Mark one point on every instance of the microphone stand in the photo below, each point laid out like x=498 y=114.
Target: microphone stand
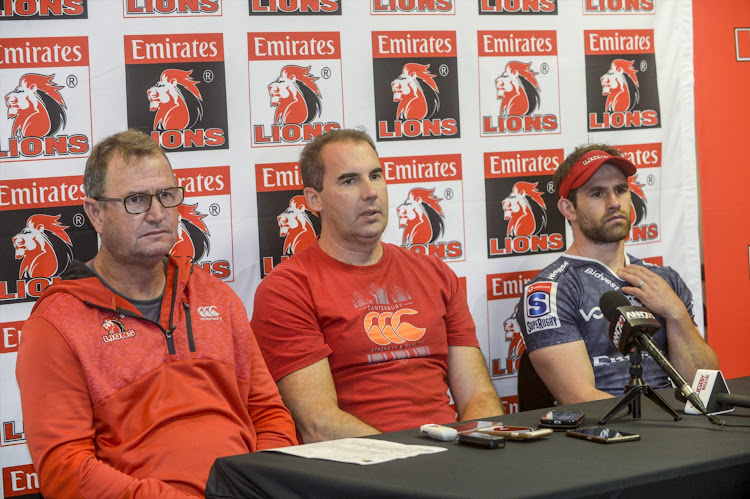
x=634 y=389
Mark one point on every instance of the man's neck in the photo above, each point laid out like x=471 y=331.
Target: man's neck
x=610 y=254
x=138 y=282
x=360 y=254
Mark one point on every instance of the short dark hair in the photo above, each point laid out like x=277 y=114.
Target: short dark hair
x=566 y=166
x=311 y=163
x=128 y=144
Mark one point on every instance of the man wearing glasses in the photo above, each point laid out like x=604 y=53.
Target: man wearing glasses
x=126 y=389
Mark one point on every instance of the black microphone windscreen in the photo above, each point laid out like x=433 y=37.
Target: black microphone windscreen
x=610 y=302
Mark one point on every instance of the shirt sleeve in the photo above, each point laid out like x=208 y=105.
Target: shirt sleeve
x=59 y=423
x=286 y=325
x=547 y=314
x=273 y=422
x=459 y=324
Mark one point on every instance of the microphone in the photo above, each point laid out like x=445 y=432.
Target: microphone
x=632 y=325
x=713 y=391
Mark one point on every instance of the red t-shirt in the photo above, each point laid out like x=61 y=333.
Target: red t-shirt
x=385 y=329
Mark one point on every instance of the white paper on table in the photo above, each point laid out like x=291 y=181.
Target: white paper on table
x=359 y=450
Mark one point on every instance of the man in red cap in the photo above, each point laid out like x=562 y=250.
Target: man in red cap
x=565 y=332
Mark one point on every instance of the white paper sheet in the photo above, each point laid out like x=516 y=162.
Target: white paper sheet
x=359 y=450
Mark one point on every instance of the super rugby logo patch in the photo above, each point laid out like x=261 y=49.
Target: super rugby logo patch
x=540 y=302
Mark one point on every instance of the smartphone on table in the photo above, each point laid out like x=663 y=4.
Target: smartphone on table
x=602 y=435
x=516 y=432
x=561 y=420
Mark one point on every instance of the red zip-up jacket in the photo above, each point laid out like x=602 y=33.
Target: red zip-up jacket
x=115 y=405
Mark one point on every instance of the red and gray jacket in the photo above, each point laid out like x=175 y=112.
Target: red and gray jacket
x=117 y=405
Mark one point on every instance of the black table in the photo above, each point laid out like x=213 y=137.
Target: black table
x=686 y=458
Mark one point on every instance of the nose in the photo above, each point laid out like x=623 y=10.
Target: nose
x=368 y=190
x=613 y=200
x=156 y=212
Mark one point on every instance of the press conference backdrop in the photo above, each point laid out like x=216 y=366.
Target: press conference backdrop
x=473 y=104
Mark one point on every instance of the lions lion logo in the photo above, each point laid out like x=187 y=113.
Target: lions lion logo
x=295 y=95
x=36 y=107
x=43 y=246
x=516 y=345
x=416 y=92
x=421 y=217
x=517 y=90
x=524 y=209
x=176 y=100
x=620 y=85
x=297 y=226
x=113 y=326
x=637 y=201
x=192 y=234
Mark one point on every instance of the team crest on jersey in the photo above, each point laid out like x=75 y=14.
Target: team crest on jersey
x=302 y=96
x=540 y=302
x=416 y=85
x=47 y=109
x=621 y=84
x=522 y=97
x=172 y=8
x=204 y=218
x=175 y=87
x=521 y=207
x=24 y=10
x=115 y=330
x=429 y=216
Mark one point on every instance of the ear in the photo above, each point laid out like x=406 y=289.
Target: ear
x=93 y=210
x=567 y=209
x=312 y=197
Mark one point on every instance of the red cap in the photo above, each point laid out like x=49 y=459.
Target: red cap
x=587 y=165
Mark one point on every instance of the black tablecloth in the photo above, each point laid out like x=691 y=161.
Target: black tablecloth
x=688 y=458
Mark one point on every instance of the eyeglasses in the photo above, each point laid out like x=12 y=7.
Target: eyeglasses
x=141 y=202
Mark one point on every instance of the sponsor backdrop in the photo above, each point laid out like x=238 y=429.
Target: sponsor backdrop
x=473 y=105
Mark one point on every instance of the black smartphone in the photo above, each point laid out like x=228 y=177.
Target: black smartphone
x=477 y=439
x=561 y=420
x=602 y=435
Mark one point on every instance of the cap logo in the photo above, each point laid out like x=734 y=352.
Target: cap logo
x=593 y=158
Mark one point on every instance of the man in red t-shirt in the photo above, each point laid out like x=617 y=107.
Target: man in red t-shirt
x=362 y=336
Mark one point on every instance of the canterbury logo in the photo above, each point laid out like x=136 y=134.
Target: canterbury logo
x=386 y=327
x=209 y=313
